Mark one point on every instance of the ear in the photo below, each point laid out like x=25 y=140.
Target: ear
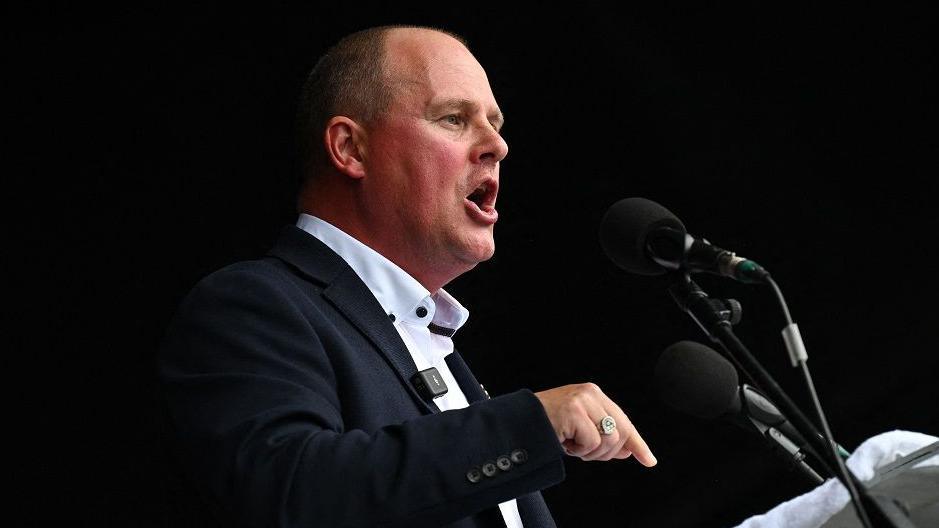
x=345 y=145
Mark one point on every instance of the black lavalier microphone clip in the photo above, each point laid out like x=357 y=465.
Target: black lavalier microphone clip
x=429 y=384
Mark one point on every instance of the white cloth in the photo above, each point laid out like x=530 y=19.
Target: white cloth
x=411 y=307
x=814 y=508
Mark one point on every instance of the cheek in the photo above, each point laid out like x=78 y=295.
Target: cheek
x=439 y=172
x=450 y=171
x=424 y=173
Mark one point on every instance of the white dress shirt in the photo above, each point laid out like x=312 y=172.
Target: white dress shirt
x=411 y=307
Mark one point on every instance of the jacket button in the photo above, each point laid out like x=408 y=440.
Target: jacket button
x=474 y=475
x=519 y=456
x=504 y=463
x=489 y=469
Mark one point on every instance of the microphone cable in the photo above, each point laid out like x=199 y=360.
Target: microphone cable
x=797 y=354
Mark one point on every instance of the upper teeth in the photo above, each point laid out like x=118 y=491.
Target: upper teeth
x=482 y=188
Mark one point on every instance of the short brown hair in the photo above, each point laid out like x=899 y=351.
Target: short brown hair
x=347 y=80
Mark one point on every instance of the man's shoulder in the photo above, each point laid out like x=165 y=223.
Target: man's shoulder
x=296 y=271
x=292 y=257
x=265 y=271
x=262 y=267
x=246 y=292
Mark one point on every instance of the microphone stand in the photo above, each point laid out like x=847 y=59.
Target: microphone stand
x=874 y=511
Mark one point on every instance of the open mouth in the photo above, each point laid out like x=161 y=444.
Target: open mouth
x=483 y=200
x=478 y=197
x=484 y=195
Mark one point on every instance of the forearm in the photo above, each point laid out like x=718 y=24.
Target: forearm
x=281 y=470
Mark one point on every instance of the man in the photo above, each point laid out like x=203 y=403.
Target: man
x=292 y=381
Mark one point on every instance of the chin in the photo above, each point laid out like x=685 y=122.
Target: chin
x=479 y=251
x=484 y=247
x=483 y=254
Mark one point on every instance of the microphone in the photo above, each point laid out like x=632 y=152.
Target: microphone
x=694 y=379
x=643 y=237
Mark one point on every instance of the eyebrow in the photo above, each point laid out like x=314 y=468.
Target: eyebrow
x=496 y=117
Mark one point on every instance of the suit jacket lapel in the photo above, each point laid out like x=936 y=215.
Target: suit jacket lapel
x=351 y=297
x=346 y=291
x=462 y=374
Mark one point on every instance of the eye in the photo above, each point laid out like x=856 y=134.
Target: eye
x=453 y=119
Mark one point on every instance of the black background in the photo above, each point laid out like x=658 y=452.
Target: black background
x=158 y=147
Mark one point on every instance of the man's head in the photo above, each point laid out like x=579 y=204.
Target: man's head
x=409 y=163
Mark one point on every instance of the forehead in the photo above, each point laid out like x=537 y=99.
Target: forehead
x=435 y=67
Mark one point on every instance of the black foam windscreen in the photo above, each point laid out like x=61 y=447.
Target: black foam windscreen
x=694 y=379
x=624 y=229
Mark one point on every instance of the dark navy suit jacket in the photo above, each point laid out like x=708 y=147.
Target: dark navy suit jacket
x=290 y=404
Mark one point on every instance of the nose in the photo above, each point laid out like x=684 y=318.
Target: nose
x=491 y=147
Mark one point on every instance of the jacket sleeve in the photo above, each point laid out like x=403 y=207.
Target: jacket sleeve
x=257 y=421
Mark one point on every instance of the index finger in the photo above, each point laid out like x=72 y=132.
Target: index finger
x=636 y=445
